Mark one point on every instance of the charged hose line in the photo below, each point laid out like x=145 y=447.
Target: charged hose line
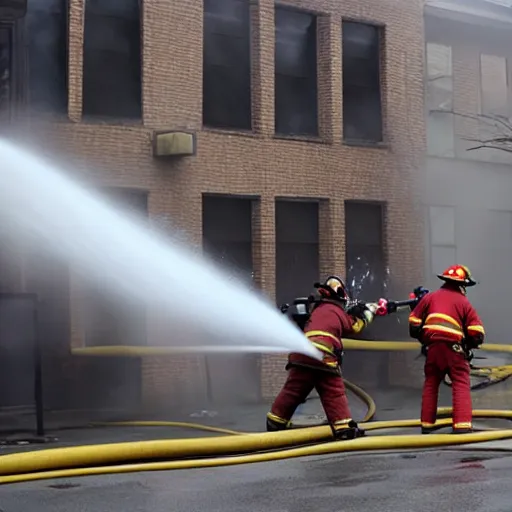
x=59 y=469
x=348 y=344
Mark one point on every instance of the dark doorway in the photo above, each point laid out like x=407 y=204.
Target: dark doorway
x=227 y=237
x=297 y=248
x=17 y=337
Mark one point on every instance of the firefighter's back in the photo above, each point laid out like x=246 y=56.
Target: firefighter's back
x=445 y=315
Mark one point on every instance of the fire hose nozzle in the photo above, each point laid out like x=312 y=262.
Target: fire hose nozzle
x=382 y=307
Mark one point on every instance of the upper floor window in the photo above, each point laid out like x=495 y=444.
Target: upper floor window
x=47 y=36
x=493 y=85
x=362 y=105
x=439 y=90
x=5 y=74
x=296 y=103
x=227 y=64
x=112 y=59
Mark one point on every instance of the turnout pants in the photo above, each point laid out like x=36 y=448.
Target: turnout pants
x=443 y=360
x=299 y=384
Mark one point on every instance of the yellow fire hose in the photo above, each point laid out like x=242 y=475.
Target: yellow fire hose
x=238 y=448
x=348 y=344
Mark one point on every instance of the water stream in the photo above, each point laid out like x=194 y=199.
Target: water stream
x=206 y=307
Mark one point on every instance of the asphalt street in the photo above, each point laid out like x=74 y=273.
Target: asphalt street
x=450 y=481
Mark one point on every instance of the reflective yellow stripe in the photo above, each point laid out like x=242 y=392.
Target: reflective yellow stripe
x=446 y=318
x=341 y=424
x=477 y=328
x=311 y=334
x=463 y=425
x=322 y=348
x=427 y=425
x=415 y=320
x=441 y=328
x=271 y=416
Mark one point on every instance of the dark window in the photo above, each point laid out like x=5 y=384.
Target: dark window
x=297 y=249
x=227 y=64
x=12 y=9
x=112 y=59
x=46 y=32
x=362 y=110
x=365 y=254
x=5 y=74
x=227 y=233
x=109 y=318
x=296 y=108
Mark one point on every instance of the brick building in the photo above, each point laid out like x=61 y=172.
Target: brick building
x=468 y=51
x=298 y=169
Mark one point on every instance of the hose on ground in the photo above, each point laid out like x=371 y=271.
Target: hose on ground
x=238 y=448
x=94 y=460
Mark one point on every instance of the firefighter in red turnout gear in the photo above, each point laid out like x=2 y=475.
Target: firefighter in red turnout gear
x=448 y=326
x=328 y=323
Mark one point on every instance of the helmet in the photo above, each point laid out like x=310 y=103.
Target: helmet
x=458 y=274
x=333 y=288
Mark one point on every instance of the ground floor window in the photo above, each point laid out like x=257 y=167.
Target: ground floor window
x=365 y=249
x=297 y=248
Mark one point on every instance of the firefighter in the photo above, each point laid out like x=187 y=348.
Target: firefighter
x=328 y=323
x=448 y=327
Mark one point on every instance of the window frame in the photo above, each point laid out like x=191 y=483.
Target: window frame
x=379 y=247
x=381 y=75
x=123 y=119
x=219 y=247
x=306 y=77
x=311 y=243
x=26 y=88
x=231 y=124
x=18 y=82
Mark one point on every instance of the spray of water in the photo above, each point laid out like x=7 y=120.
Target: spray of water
x=207 y=309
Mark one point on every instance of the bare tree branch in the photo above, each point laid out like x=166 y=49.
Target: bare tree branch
x=501 y=142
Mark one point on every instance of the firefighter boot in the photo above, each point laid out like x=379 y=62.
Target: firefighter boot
x=274 y=423
x=351 y=431
x=427 y=430
x=462 y=431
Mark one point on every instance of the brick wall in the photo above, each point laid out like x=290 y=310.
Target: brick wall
x=258 y=163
